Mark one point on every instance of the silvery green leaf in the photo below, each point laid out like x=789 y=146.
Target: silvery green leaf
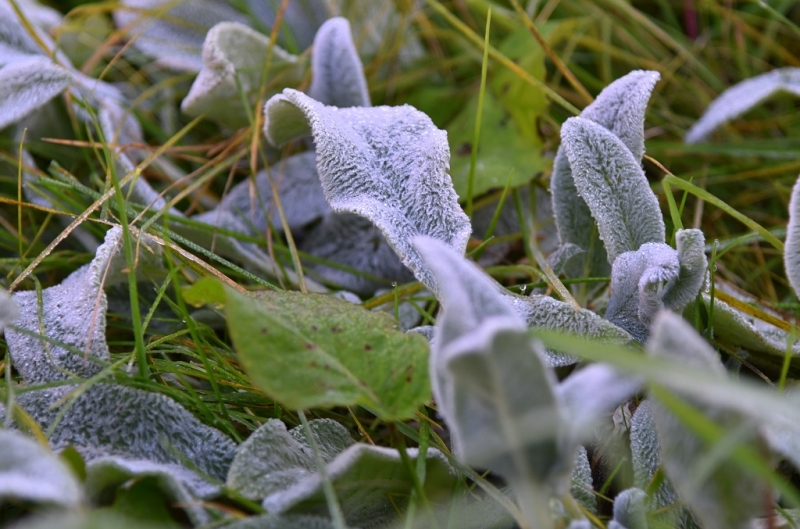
x=582 y=488
x=27 y=84
x=114 y=420
x=273 y=459
x=9 y=311
x=31 y=473
x=252 y=204
x=385 y=163
x=88 y=519
x=630 y=510
x=370 y=482
x=580 y=524
x=646 y=455
x=39 y=15
x=234 y=56
x=288 y=521
x=639 y=281
x=611 y=181
x=559 y=259
x=173 y=32
x=15 y=41
x=719 y=491
x=176 y=484
x=354 y=241
x=73 y=314
x=791 y=252
x=693 y=267
x=337 y=73
x=620 y=108
x=742 y=97
x=301 y=20
x=589 y=394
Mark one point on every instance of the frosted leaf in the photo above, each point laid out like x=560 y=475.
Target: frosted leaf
x=742 y=97
x=582 y=487
x=27 y=84
x=589 y=394
x=611 y=181
x=620 y=108
x=791 y=252
x=233 y=59
x=173 y=32
x=386 y=164
x=9 y=311
x=15 y=41
x=31 y=473
x=630 y=510
x=114 y=420
x=559 y=259
x=301 y=20
x=273 y=459
x=724 y=495
x=353 y=241
x=693 y=267
x=639 y=282
x=87 y=519
x=580 y=524
x=290 y=521
x=371 y=483
x=251 y=203
x=646 y=456
x=40 y=16
x=73 y=314
x=337 y=73
x=178 y=486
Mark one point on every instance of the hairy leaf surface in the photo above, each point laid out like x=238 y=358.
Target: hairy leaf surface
x=28 y=84
x=791 y=252
x=337 y=73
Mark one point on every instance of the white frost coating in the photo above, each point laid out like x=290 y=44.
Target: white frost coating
x=31 y=473
x=611 y=181
x=582 y=488
x=791 y=251
x=337 y=73
x=233 y=59
x=741 y=97
x=73 y=313
x=173 y=32
x=646 y=456
x=9 y=311
x=273 y=459
x=371 y=484
x=630 y=510
x=178 y=486
x=276 y=521
x=693 y=269
x=620 y=108
x=387 y=164
x=113 y=420
x=728 y=496
x=27 y=84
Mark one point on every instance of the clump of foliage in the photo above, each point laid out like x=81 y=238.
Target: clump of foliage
x=345 y=336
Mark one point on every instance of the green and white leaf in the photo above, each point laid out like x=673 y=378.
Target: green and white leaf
x=582 y=488
x=27 y=84
x=630 y=510
x=791 y=251
x=742 y=97
x=720 y=492
x=410 y=195
x=611 y=181
x=646 y=458
x=31 y=473
x=234 y=57
x=273 y=459
x=370 y=482
x=337 y=73
x=288 y=521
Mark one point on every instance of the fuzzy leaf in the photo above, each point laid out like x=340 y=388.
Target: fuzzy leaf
x=630 y=510
x=725 y=495
x=791 y=252
x=233 y=59
x=742 y=97
x=386 y=164
x=326 y=352
x=31 y=473
x=620 y=108
x=693 y=266
x=611 y=181
x=173 y=32
x=72 y=317
x=113 y=420
x=290 y=521
x=89 y=519
x=9 y=311
x=337 y=73
x=28 y=84
x=582 y=488
x=371 y=483
x=175 y=485
x=272 y=459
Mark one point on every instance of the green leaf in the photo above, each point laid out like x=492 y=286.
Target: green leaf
x=503 y=150
x=309 y=350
